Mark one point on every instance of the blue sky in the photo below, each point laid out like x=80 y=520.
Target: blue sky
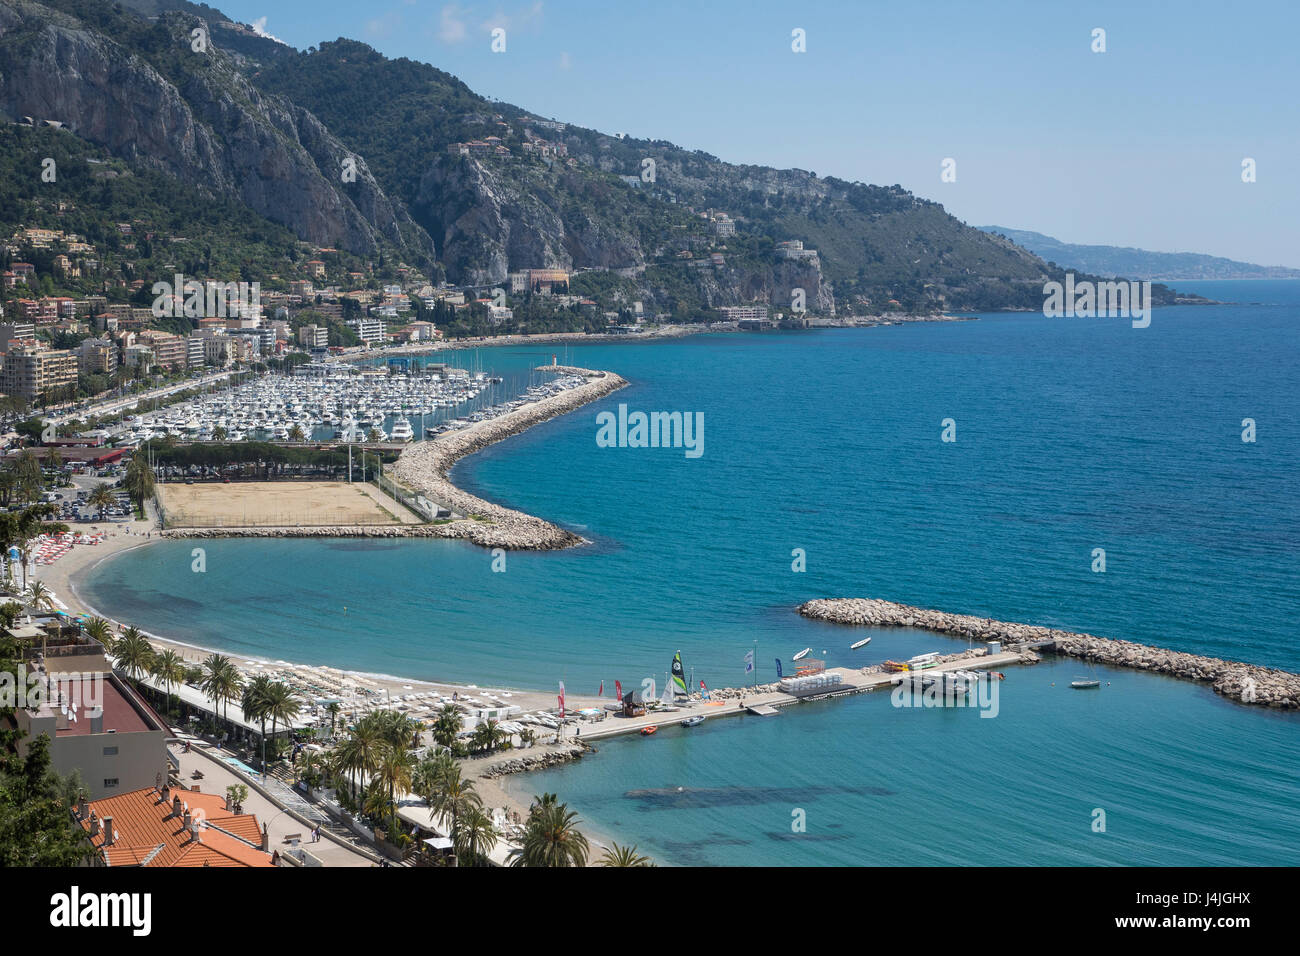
x=1141 y=145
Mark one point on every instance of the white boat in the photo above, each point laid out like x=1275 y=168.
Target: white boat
x=1085 y=684
x=802 y=654
x=862 y=643
x=402 y=430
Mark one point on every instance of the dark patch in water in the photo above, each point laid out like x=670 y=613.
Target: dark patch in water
x=360 y=544
x=680 y=798
x=685 y=847
x=812 y=837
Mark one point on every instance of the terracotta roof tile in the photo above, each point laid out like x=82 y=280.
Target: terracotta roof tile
x=148 y=834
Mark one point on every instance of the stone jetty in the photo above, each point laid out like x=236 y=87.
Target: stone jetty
x=540 y=761
x=1247 y=683
x=423 y=467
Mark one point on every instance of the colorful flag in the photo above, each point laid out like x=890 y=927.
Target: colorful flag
x=704 y=692
x=618 y=689
x=749 y=662
x=601 y=692
x=679 y=673
x=778 y=668
x=561 y=700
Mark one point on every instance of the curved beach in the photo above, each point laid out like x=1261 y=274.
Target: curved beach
x=1246 y=683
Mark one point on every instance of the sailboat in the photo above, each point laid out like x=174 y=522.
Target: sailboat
x=1087 y=683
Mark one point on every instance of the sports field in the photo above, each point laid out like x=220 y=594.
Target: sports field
x=277 y=504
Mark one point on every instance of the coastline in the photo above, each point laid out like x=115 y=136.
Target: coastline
x=1236 y=680
x=423 y=467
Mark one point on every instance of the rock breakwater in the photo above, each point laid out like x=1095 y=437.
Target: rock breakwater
x=539 y=761
x=1246 y=683
x=423 y=467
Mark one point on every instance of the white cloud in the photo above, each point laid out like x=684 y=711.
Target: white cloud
x=451 y=24
x=529 y=18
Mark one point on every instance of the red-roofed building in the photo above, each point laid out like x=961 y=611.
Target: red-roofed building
x=171 y=827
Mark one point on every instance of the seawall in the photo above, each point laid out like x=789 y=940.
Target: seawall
x=1246 y=683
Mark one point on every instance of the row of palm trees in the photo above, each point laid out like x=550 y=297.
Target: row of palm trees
x=375 y=759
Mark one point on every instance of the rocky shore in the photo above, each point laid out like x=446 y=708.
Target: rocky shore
x=1246 y=683
x=423 y=467
x=539 y=761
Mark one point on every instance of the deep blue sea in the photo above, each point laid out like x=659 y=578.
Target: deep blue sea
x=1072 y=435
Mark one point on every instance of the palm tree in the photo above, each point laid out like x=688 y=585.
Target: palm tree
x=169 y=667
x=333 y=710
x=360 y=752
x=101 y=497
x=447 y=792
x=476 y=838
x=281 y=704
x=447 y=727
x=624 y=856
x=487 y=736
x=296 y=433
x=219 y=433
x=98 y=629
x=551 y=837
x=395 y=768
x=41 y=598
x=221 y=681
x=134 y=653
x=372 y=435
x=255 y=704
x=139 y=480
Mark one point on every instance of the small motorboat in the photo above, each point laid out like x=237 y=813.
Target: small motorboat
x=693 y=721
x=802 y=654
x=862 y=643
x=647 y=731
x=1085 y=684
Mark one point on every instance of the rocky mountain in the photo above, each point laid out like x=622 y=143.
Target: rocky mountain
x=1138 y=263
x=143 y=92
x=352 y=150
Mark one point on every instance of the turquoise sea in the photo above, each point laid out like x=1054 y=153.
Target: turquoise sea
x=1072 y=435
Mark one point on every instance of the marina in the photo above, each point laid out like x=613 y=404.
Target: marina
x=340 y=403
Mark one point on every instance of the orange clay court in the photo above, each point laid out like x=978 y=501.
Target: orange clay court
x=277 y=504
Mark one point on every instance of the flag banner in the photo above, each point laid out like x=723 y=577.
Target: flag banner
x=778 y=668
x=618 y=689
x=601 y=692
x=704 y=692
x=561 y=700
x=749 y=662
x=679 y=673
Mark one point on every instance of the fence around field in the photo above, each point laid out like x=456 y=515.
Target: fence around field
x=315 y=518
x=426 y=508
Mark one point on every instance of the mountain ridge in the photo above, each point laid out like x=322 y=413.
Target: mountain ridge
x=1135 y=263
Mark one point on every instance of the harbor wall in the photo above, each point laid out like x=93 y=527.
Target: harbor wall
x=1246 y=683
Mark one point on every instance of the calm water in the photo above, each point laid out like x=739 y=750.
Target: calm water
x=1072 y=435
